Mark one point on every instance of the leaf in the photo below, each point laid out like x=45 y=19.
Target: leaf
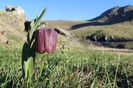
x=41 y=15
x=38 y=19
x=93 y=83
x=32 y=51
x=25 y=51
x=24 y=55
x=35 y=24
x=41 y=68
x=29 y=68
x=27 y=62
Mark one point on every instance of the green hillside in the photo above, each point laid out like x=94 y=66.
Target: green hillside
x=120 y=30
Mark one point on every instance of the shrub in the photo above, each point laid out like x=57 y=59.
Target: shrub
x=98 y=35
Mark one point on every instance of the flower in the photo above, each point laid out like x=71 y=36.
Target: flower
x=40 y=41
x=50 y=40
x=45 y=40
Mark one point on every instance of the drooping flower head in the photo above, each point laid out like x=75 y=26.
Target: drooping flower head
x=40 y=41
x=50 y=40
x=45 y=40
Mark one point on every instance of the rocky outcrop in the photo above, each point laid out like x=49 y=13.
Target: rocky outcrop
x=17 y=16
x=116 y=15
x=11 y=23
x=63 y=32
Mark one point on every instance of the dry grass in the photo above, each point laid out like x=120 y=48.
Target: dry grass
x=120 y=30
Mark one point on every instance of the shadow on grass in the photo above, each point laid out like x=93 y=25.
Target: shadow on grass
x=96 y=23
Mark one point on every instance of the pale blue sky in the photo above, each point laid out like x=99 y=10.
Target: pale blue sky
x=65 y=9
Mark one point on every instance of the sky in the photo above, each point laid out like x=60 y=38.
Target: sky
x=65 y=9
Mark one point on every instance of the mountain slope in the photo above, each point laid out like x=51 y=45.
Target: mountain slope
x=116 y=15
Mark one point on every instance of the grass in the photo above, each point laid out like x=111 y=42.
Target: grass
x=73 y=65
x=74 y=68
x=118 y=31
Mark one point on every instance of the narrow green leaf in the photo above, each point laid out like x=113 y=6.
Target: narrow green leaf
x=24 y=56
x=32 y=51
x=41 y=15
x=93 y=83
x=38 y=19
x=29 y=68
x=41 y=68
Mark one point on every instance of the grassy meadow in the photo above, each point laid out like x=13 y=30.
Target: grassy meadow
x=81 y=29
x=72 y=66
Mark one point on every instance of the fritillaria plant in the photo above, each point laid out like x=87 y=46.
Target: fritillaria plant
x=39 y=40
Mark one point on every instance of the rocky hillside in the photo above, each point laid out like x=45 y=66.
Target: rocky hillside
x=116 y=15
x=11 y=23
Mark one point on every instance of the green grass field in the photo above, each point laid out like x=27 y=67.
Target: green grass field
x=73 y=67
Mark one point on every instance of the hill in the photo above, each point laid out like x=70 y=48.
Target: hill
x=116 y=15
x=81 y=29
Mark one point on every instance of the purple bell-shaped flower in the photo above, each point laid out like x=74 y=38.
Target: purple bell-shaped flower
x=45 y=40
x=40 y=41
x=50 y=40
